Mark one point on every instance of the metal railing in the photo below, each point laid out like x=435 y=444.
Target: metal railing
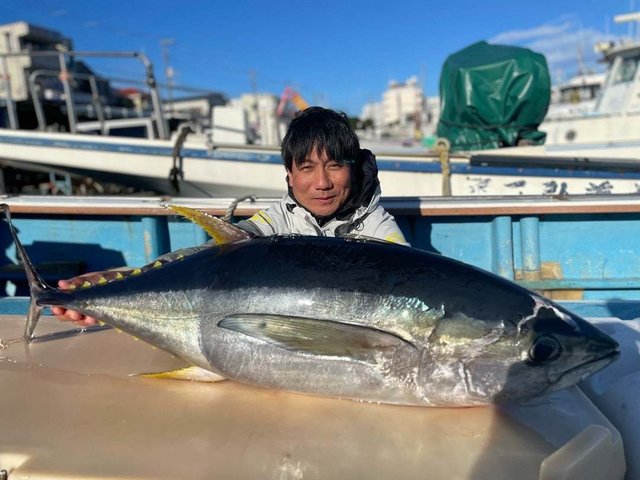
x=65 y=76
x=37 y=102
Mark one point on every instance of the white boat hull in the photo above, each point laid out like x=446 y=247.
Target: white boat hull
x=259 y=171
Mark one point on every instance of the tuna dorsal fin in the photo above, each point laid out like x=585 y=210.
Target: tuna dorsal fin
x=220 y=231
x=192 y=373
x=308 y=335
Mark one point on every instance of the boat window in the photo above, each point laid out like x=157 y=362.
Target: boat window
x=579 y=94
x=626 y=71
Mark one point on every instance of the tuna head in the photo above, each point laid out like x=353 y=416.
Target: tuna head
x=557 y=350
x=476 y=362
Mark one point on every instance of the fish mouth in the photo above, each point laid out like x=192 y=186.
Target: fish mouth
x=594 y=366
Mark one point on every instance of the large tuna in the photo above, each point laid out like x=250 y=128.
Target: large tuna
x=346 y=318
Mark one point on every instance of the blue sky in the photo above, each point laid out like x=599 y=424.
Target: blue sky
x=336 y=53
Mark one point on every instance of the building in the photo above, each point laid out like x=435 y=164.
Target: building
x=23 y=37
x=261 y=114
x=404 y=113
x=373 y=121
x=402 y=107
x=197 y=108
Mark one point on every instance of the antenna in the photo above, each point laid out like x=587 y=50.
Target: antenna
x=165 y=43
x=254 y=106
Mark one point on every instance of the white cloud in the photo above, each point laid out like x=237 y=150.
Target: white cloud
x=564 y=42
x=545 y=30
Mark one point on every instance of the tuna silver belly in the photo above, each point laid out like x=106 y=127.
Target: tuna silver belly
x=235 y=347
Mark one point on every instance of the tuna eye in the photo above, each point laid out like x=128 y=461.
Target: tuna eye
x=545 y=349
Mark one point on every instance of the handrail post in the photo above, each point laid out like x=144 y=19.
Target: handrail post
x=64 y=77
x=97 y=104
x=156 y=237
x=502 y=246
x=530 y=238
x=11 y=106
x=161 y=122
x=35 y=99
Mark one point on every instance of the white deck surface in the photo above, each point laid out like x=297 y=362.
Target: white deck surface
x=70 y=409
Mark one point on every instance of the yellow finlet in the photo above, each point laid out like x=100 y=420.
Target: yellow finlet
x=219 y=230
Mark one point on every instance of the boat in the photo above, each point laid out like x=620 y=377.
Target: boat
x=574 y=97
x=62 y=409
x=608 y=127
x=209 y=154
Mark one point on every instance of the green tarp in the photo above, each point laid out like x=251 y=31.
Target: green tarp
x=493 y=96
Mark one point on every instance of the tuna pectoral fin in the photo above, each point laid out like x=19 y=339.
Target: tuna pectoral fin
x=220 y=231
x=193 y=373
x=308 y=335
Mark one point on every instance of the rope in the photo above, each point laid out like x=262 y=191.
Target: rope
x=177 y=173
x=234 y=204
x=443 y=147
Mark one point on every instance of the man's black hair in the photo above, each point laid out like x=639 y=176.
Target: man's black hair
x=323 y=130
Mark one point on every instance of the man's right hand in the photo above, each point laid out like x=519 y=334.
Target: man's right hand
x=67 y=315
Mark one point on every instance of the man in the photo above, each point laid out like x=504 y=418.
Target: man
x=333 y=189
x=333 y=185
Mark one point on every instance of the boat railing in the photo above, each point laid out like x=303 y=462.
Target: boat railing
x=111 y=126
x=37 y=102
x=65 y=76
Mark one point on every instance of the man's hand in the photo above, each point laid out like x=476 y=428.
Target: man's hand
x=66 y=315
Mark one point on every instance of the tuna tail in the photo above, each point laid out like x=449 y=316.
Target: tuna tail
x=37 y=286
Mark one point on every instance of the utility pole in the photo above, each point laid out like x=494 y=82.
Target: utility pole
x=254 y=107
x=165 y=43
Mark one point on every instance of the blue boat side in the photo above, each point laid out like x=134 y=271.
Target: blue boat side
x=588 y=256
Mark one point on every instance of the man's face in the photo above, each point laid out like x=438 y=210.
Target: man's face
x=320 y=184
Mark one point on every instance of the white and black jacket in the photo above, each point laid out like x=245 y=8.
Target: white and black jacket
x=362 y=215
